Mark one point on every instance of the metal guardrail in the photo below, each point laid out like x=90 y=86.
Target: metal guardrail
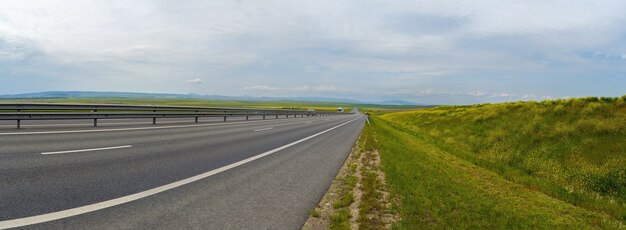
x=52 y=111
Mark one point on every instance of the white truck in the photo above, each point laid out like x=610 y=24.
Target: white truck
x=340 y=110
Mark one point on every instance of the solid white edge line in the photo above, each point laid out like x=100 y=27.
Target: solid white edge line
x=125 y=199
x=87 y=150
x=131 y=129
x=263 y=129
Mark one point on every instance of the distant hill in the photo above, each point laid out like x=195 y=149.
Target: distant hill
x=79 y=94
x=90 y=94
x=396 y=102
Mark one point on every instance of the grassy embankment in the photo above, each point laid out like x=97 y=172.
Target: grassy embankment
x=551 y=164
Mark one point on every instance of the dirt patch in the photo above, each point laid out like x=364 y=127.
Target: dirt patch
x=358 y=197
x=377 y=204
x=322 y=215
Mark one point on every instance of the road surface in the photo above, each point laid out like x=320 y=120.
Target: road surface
x=129 y=174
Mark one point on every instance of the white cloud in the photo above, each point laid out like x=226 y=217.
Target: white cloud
x=314 y=47
x=306 y=88
x=194 y=81
x=12 y=49
x=316 y=88
x=528 y=96
x=260 y=87
x=476 y=93
x=327 y=88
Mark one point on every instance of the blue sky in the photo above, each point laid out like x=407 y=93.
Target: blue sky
x=433 y=52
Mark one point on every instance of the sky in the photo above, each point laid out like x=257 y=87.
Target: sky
x=427 y=52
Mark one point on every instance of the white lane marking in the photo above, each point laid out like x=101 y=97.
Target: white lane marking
x=125 y=199
x=308 y=122
x=263 y=129
x=130 y=129
x=88 y=150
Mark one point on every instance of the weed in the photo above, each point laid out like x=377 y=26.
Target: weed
x=340 y=220
x=440 y=161
x=316 y=213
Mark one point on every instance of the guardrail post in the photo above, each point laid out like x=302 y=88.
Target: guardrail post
x=246 y=118
x=224 y=118
x=263 y=117
x=287 y=116
x=154 y=120
x=19 y=123
x=277 y=116
x=196 y=119
x=95 y=120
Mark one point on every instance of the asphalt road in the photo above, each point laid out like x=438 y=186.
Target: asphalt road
x=258 y=174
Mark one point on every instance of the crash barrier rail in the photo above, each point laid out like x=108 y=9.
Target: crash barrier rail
x=53 y=111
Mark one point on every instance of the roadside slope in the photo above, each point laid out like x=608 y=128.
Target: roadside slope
x=524 y=165
x=573 y=150
x=440 y=190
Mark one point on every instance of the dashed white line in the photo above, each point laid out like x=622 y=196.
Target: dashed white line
x=87 y=150
x=263 y=129
x=128 y=129
x=102 y=123
x=125 y=199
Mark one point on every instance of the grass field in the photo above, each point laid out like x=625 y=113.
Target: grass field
x=275 y=104
x=551 y=164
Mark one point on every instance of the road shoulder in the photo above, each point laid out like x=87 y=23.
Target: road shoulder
x=358 y=197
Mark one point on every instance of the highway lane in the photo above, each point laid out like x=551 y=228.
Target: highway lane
x=7 y=125
x=36 y=184
x=79 y=138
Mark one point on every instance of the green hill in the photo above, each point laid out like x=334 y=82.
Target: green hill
x=547 y=164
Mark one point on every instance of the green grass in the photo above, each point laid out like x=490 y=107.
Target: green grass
x=316 y=213
x=340 y=220
x=370 y=208
x=276 y=104
x=552 y=164
x=344 y=201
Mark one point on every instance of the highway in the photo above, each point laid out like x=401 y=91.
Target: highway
x=130 y=174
